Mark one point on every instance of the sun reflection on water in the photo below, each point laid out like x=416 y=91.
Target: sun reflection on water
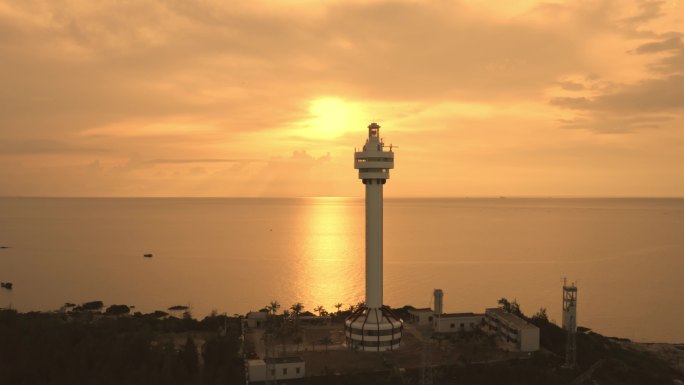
x=330 y=262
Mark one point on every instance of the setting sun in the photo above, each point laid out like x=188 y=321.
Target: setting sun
x=330 y=118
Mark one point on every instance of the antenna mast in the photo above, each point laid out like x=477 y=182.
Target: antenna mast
x=570 y=323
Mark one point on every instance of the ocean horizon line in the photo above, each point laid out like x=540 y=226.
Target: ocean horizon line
x=346 y=197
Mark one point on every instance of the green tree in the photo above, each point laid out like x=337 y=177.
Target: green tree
x=504 y=304
x=222 y=362
x=284 y=334
x=320 y=310
x=297 y=309
x=189 y=356
x=510 y=307
x=298 y=340
x=327 y=341
x=273 y=307
x=541 y=316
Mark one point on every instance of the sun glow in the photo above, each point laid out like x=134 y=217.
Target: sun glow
x=330 y=118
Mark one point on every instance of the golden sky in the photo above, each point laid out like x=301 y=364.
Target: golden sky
x=269 y=98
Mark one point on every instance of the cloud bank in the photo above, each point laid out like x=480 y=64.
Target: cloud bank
x=209 y=98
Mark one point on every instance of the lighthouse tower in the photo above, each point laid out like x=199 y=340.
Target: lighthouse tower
x=373 y=327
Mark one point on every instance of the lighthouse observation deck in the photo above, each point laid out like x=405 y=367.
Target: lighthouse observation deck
x=374 y=162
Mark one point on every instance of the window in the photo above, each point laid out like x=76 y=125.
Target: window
x=273 y=372
x=462 y=325
x=430 y=319
x=284 y=371
x=453 y=326
x=297 y=369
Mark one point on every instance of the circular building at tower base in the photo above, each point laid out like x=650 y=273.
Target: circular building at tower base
x=373 y=329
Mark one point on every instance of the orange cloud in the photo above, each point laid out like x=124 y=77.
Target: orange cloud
x=481 y=100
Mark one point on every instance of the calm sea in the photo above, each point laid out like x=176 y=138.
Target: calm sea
x=235 y=255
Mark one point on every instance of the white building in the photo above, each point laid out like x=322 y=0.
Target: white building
x=423 y=316
x=256 y=319
x=456 y=322
x=275 y=369
x=518 y=333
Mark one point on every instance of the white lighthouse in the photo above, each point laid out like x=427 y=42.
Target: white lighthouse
x=373 y=327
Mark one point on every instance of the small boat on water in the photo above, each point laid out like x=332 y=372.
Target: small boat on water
x=148 y=255
x=6 y=285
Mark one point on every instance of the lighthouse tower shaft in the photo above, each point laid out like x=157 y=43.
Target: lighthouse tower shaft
x=373 y=327
x=374 y=163
x=374 y=244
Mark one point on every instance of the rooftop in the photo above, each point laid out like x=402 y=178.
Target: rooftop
x=421 y=310
x=283 y=360
x=458 y=315
x=257 y=314
x=510 y=319
x=256 y=362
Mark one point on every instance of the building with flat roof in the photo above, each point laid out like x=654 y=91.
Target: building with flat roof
x=423 y=316
x=275 y=369
x=256 y=319
x=456 y=322
x=513 y=330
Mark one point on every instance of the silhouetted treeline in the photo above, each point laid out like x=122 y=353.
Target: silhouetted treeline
x=86 y=348
x=91 y=348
